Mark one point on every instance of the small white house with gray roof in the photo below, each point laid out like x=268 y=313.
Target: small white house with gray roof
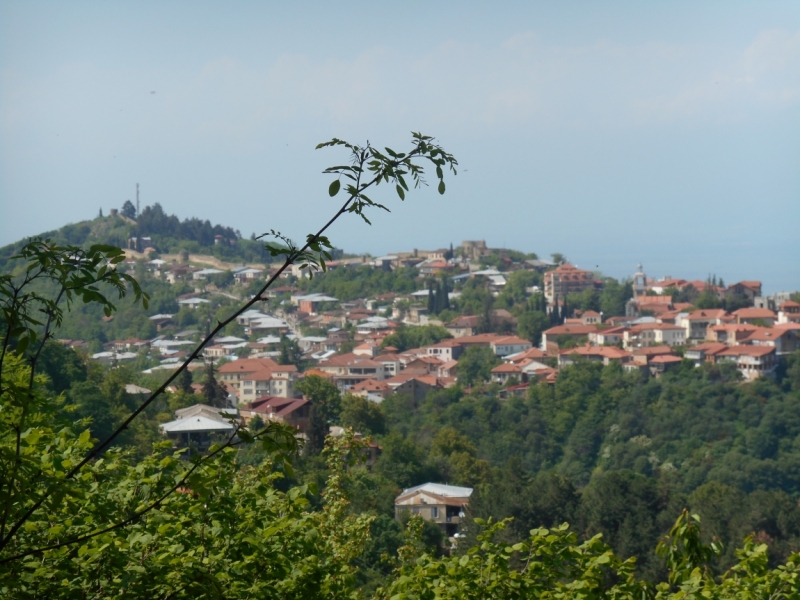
x=436 y=502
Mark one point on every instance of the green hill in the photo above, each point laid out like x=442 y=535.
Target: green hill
x=167 y=233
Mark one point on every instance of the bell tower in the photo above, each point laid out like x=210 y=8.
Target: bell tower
x=639 y=283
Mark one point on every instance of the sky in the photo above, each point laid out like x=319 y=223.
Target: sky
x=616 y=133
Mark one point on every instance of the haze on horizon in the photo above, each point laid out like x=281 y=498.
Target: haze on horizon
x=661 y=133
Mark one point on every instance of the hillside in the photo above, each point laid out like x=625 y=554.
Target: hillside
x=167 y=235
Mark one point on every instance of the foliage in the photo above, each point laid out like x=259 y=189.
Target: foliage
x=325 y=408
x=362 y=415
x=408 y=337
x=476 y=364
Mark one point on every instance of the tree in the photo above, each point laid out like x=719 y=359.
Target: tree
x=184 y=382
x=128 y=210
x=531 y=324
x=214 y=392
x=326 y=405
x=476 y=364
x=362 y=415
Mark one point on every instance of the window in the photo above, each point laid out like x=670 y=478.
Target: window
x=434 y=512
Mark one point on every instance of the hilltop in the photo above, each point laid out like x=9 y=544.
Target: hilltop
x=153 y=233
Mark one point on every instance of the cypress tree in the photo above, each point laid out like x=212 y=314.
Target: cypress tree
x=431 y=300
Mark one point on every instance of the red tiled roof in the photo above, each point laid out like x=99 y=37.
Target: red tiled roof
x=754 y=313
x=755 y=351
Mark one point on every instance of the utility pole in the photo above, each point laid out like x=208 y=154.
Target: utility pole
x=137 y=200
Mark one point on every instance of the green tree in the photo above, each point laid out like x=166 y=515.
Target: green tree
x=326 y=405
x=476 y=364
x=362 y=415
x=128 y=210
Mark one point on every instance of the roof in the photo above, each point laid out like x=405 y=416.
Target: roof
x=507 y=368
x=707 y=314
x=249 y=365
x=653 y=350
x=571 y=330
x=754 y=313
x=755 y=351
x=461 y=322
x=666 y=359
x=708 y=348
x=197 y=423
x=370 y=385
x=610 y=352
x=440 y=489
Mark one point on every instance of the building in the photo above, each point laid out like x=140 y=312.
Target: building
x=435 y=502
x=463 y=326
x=253 y=378
x=751 y=361
x=697 y=322
x=197 y=426
x=576 y=332
x=566 y=279
x=295 y=412
x=758 y=316
x=654 y=334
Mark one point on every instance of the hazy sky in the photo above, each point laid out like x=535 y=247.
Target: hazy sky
x=660 y=132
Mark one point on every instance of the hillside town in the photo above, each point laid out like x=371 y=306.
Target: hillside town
x=350 y=343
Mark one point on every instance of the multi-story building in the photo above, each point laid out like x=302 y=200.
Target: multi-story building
x=256 y=377
x=566 y=279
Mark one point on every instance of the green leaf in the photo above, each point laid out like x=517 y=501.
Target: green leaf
x=400 y=192
x=333 y=189
x=441 y=187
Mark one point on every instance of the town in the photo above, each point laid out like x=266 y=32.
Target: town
x=367 y=346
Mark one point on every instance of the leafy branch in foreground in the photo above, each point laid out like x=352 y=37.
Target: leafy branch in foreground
x=79 y=274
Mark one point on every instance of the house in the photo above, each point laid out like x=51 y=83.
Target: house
x=663 y=362
x=463 y=326
x=193 y=302
x=256 y=377
x=248 y=274
x=502 y=373
x=551 y=336
x=748 y=289
x=527 y=355
x=784 y=339
x=370 y=388
x=654 y=334
x=349 y=369
x=566 y=279
x=448 y=369
x=643 y=356
x=730 y=334
x=446 y=350
x=751 y=361
x=697 y=322
x=161 y=321
x=706 y=352
x=591 y=317
x=435 y=502
x=758 y=316
x=507 y=345
x=391 y=364
x=604 y=354
x=295 y=412
x=789 y=312
x=424 y=365
x=311 y=303
x=199 y=425
x=610 y=336
x=414 y=385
